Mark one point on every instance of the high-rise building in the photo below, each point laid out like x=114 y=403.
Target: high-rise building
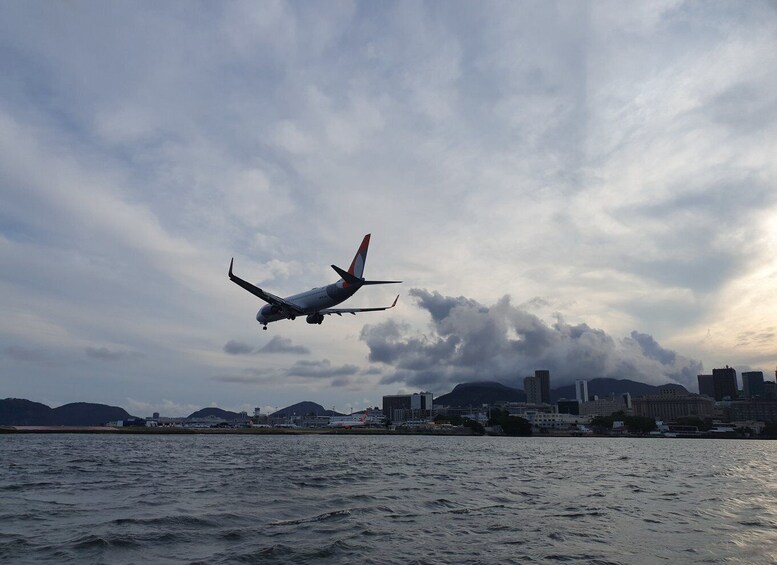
x=706 y=386
x=544 y=377
x=532 y=389
x=753 y=384
x=537 y=388
x=400 y=407
x=581 y=390
x=725 y=383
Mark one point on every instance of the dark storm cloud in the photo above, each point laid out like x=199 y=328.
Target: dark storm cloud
x=652 y=350
x=469 y=341
x=277 y=344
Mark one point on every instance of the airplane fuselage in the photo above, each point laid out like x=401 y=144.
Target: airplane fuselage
x=309 y=302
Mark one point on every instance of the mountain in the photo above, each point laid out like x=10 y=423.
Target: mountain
x=20 y=412
x=304 y=408
x=606 y=387
x=87 y=414
x=478 y=393
x=216 y=413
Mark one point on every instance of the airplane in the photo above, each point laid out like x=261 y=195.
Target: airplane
x=316 y=303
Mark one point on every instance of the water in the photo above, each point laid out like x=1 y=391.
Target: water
x=385 y=499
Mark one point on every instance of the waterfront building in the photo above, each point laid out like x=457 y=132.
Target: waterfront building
x=568 y=406
x=401 y=407
x=753 y=384
x=537 y=388
x=706 y=385
x=523 y=408
x=581 y=390
x=725 y=383
x=761 y=410
x=555 y=421
x=770 y=389
x=606 y=406
x=670 y=404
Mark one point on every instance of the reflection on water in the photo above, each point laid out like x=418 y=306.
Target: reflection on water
x=386 y=499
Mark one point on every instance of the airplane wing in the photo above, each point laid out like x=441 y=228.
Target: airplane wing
x=266 y=296
x=354 y=311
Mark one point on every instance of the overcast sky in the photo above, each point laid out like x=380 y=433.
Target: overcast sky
x=584 y=187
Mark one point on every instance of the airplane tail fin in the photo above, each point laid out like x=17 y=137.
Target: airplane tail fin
x=355 y=273
x=357 y=265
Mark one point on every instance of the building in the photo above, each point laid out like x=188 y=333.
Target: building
x=670 y=404
x=759 y=410
x=568 y=407
x=555 y=421
x=753 y=384
x=537 y=388
x=581 y=390
x=725 y=383
x=606 y=406
x=401 y=407
x=523 y=408
x=706 y=385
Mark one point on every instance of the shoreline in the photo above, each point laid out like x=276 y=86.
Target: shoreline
x=318 y=431
x=224 y=431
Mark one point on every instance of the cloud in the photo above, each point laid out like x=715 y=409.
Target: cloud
x=621 y=167
x=277 y=344
x=106 y=354
x=237 y=348
x=321 y=369
x=280 y=344
x=303 y=369
x=469 y=341
x=26 y=354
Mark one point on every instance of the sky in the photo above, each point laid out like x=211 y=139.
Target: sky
x=584 y=187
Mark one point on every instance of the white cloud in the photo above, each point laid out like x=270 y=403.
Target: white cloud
x=613 y=159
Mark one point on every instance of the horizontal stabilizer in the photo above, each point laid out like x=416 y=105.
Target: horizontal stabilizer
x=351 y=279
x=346 y=276
x=380 y=282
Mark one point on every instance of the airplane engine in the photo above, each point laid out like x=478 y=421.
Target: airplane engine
x=315 y=319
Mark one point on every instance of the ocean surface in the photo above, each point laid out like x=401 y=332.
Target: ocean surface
x=385 y=499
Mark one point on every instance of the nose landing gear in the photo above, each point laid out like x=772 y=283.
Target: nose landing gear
x=264 y=327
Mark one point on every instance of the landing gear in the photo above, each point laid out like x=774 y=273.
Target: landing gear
x=264 y=327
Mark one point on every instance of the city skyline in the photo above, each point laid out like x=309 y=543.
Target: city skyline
x=568 y=186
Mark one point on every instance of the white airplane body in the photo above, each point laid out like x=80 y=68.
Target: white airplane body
x=318 y=302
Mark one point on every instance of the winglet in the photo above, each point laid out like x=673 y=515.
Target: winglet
x=230 y=266
x=395 y=302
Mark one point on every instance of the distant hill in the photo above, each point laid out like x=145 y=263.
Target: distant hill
x=215 y=413
x=478 y=393
x=87 y=414
x=303 y=408
x=21 y=412
x=606 y=387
